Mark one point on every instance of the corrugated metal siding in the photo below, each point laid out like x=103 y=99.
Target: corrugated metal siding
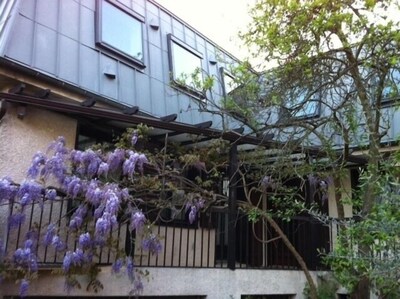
x=59 y=40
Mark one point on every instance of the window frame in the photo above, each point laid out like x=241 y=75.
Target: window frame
x=386 y=98
x=113 y=49
x=294 y=107
x=226 y=74
x=171 y=39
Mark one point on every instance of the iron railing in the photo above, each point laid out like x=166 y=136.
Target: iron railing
x=203 y=245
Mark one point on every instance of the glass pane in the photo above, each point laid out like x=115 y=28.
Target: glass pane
x=301 y=106
x=187 y=67
x=230 y=83
x=121 y=31
x=391 y=90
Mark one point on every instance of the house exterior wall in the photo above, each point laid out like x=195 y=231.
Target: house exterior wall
x=25 y=136
x=212 y=283
x=57 y=39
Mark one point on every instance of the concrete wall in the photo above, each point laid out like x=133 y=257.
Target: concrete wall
x=213 y=283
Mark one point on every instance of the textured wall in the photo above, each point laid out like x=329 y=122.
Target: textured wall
x=20 y=139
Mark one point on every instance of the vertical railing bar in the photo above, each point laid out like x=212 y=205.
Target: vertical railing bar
x=201 y=247
x=165 y=244
x=180 y=247
x=67 y=230
x=46 y=247
x=173 y=246
x=194 y=247
x=39 y=229
x=187 y=248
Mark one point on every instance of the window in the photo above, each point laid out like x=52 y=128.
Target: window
x=119 y=30
x=391 y=91
x=301 y=105
x=229 y=82
x=185 y=65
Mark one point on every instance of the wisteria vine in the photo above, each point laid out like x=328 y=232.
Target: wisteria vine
x=96 y=184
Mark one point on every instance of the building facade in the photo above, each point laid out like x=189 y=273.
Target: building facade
x=88 y=69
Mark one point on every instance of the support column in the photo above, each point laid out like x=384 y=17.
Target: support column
x=232 y=206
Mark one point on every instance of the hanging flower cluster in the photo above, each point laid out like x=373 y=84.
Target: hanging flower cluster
x=194 y=206
x=89 y=180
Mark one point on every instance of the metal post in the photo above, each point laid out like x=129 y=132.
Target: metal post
x=232 y=206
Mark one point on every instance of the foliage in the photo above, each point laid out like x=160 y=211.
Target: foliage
x=334 y=87
x=104 y=189
x=379 y=233
x=327 y=287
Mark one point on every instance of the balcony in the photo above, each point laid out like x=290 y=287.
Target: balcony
x=203 y=245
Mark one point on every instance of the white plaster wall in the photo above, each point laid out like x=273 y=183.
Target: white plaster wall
x=214 y=283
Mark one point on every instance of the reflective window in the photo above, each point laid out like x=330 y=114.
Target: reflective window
x=391 y=90
x=301 y=105
x=119 y=30
x=229 y=83
x=185 y=65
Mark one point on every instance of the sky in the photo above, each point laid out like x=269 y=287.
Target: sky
x=219 y=20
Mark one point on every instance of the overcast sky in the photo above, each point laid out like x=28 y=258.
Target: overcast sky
x=219 y=20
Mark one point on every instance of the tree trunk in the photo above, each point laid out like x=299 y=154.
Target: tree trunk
x=297 y=256
x=361 y=291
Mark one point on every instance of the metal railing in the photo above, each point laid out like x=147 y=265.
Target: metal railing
x=204 y=245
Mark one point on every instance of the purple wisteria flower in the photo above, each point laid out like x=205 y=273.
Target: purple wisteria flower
x=50 y=194
x=138 y=220
x=23 y=289
x=130 y=268
x=90 y=163
x=85 y=240
x=73 y=186
x=192 y=214
x=57 y=243
x=112 y=201
x=7 y=190
x=25 y=257
x=194 y=206
x=55 y=167
x=117 y=265
x=128 y=168
x=58 y=146
x=94 y=193
x=73 y=258
x=77 y=218
x=104 y=225
x=29 y=192
x=115 y=159
x=38 y=161
x=152 y=244
x=103 y=169
x=50 y=233
x=134 y=138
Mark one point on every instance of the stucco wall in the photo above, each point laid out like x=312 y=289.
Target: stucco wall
x=22 y=138
x=214 y=283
